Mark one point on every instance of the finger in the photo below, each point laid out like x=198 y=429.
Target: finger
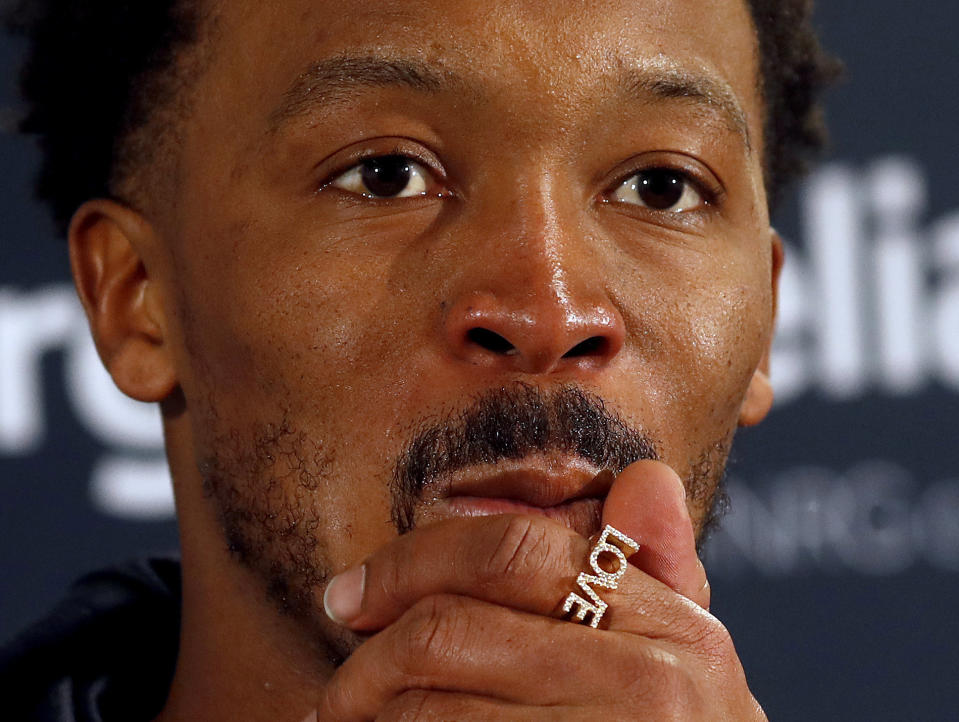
x=426 y=704
x=464 y=646
x=525 y=562
x=647 y=502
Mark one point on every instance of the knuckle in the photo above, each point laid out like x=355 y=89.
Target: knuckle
x=393 y=580
x=716 y=646
x=663 y=682
x=410 y=706
x=693 y=627
x=435 y=629
x=696 y=629
x=522 y=545
x=336 y=700
x=705 y=636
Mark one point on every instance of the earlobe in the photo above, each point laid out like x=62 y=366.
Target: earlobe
x=759 y=399
x=107 y=246
x=759 y=394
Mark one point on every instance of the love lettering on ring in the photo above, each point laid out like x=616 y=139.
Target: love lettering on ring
x=594 y=607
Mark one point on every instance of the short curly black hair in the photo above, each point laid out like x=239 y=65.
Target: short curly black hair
x=135 y=47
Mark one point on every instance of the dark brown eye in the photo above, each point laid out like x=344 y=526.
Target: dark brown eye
x=386 y=176
x=660 y=189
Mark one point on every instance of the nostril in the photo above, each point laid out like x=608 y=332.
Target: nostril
x=594 y=346
x=490 y=340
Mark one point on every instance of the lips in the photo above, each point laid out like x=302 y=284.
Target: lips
x=568 y=490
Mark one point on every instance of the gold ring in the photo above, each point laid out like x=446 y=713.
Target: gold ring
x=594 y=607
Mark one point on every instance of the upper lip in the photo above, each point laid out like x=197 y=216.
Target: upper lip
x=539 y=480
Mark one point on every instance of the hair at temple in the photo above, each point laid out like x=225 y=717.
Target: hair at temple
x=100 y=73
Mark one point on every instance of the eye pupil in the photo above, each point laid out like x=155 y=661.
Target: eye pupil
x=660 y=189
x=387 y=175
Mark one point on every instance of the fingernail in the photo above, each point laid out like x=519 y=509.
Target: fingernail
x=343 y=597
x=704 y=591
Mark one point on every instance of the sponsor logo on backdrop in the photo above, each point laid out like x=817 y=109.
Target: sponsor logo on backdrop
x=869 y=304
x=874 y=519
x=871 y=301
x=130 y=479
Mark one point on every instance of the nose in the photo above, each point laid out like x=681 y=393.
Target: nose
x=531 y=297
x=534 y=328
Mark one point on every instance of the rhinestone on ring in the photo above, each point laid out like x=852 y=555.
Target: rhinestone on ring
x=594 y=607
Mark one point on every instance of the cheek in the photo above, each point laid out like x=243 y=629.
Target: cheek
x=301 y=338
x=286 y=329
x=723 y=339
x=293 y=343
x=700 y=329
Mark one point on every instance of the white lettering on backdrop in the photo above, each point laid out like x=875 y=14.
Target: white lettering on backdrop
x=871 y=304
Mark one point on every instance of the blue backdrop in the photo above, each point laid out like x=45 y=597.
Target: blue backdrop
x=838 y=567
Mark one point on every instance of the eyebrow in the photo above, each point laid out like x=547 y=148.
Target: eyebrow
x=665 y=80
x=336 y=79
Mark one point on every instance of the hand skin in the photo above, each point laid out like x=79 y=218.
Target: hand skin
x=467 y=622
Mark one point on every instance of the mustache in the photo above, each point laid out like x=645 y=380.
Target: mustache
x=510 y=423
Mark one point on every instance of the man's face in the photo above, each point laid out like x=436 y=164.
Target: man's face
x=432 y=258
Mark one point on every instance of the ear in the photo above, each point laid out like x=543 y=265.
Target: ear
x=759 y=394
x=107 y=245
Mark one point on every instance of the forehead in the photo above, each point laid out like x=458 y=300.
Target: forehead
x=568 y=50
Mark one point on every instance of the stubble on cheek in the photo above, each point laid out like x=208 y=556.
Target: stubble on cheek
x=267 y=463
x=268 y=484
x=263 y=477
x=706 y=494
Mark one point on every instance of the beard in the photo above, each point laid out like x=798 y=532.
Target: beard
x=269 y=484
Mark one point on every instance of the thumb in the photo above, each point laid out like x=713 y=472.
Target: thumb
x=647 y=502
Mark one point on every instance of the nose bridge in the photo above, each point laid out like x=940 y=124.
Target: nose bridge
x=532 y=241
x=534 y=301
